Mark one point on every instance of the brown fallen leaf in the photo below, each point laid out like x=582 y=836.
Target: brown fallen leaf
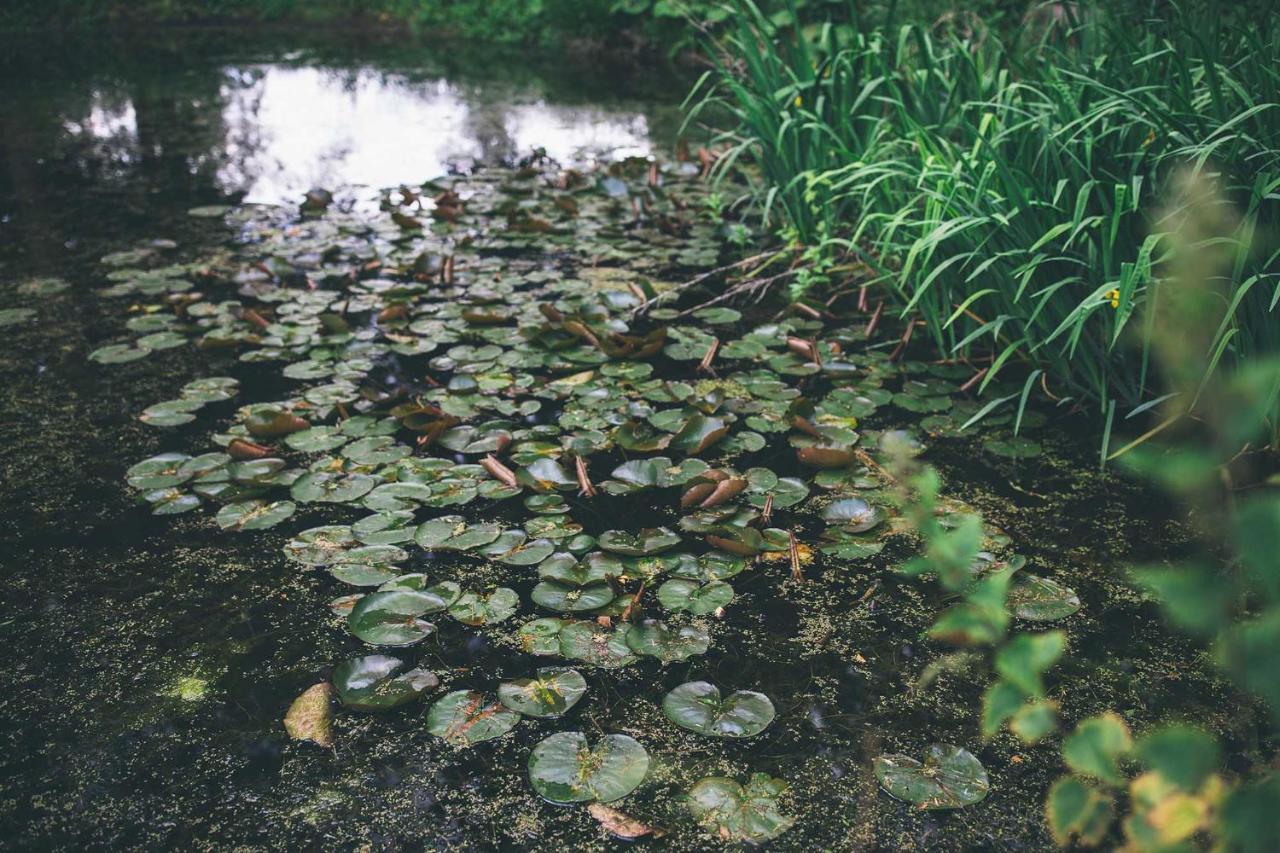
x=310 y=717
x=621 y=825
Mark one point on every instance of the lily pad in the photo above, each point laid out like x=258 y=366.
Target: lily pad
x=949 y=778
x=736 y=812
x=550 y=693
x=697 y=706
x=655 y=639
x=565 y=768
x=681 y=595
x=1038 y=599
x=472 y=608
x=464 y=717
x=639 y=543
x=597 y=646
x=254 y=515
x=371 y=683
x=394 y=618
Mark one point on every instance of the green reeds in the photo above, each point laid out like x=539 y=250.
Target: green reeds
x=1005 y=195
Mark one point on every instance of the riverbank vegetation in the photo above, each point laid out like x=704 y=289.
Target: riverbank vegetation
x=1000 y=186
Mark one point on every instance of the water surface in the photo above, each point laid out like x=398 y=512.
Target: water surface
x=151 y=659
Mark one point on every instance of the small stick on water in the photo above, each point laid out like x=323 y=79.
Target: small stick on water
x=499 y=472
x=902 y=344
x=865 y=458
x=862 y=298
x=766 y=514
x=811 y=313
x=633 y=607
x=875 y=320
x=793 y=549
x=585 y=487
x=705 y=365
x=975 y=379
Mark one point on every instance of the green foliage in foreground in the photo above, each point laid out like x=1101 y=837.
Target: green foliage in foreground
x=1166 y=789
x=1006 y=191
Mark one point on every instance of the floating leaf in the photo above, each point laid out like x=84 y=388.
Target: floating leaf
x=656 y=639
x=740 y=813
x=254 y=515
x=697 y=705
x=621 y=825
x=597 y=646
x=550 y=693
x=394 y=618
x=949 y=778
x=565 y=768
x=310 y=717
x=1038 y=599
x=853 y=514
x=371 y=683
x=465 y=717
x=639 y=543
x=680 y=595
x=473 y=608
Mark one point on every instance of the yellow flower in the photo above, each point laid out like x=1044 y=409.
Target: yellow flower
x=1112 y=296
x=799 y=101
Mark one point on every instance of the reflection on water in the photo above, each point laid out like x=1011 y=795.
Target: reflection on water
x=288 y=129
x=151 y=128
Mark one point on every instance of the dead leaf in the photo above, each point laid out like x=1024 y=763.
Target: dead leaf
x=621 y=825
x=310 y=717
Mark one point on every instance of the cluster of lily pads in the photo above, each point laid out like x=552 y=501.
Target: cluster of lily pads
x=489 y=375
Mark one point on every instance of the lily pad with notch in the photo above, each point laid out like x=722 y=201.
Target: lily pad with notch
x=698 y=706
x=550 y=693
x=565 y=768
x=375 y=683
x=950 y=777
x=734 y=812
x=465 y=717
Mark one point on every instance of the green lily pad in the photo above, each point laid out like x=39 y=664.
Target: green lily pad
x=159 y=472
x=1013 y=447
x=656 y=639
x=565 y=768
x=541 y=636
x=394 y=618
x=371 y=683
x=472 y=608
x=550 y=693
x=639 y=543
x=734 y=812
x=331 y=487
x=572 y=598
x=464 y=717
x=949 y=778
x=597 y=646
x=320 y=546
x=14 y=316
x=1038 y=599
x=680 y=595
x=697 y=706
x=254 y=515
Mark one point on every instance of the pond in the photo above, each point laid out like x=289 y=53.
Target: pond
x=163 y=617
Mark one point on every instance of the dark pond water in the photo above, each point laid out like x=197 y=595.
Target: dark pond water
x=150 y=661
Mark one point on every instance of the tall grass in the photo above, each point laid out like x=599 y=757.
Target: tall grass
x=1003 y=192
